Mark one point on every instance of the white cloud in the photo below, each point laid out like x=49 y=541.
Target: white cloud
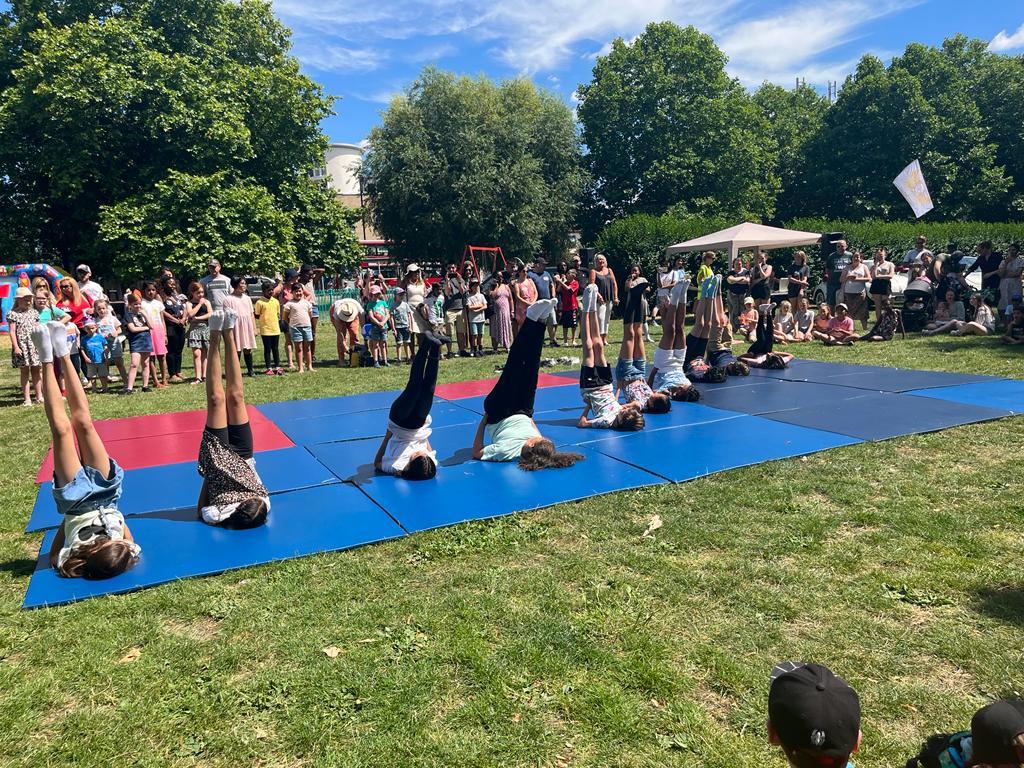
x=430 y=53
x=1004 y=42
x=808 y=41
x=338 y=58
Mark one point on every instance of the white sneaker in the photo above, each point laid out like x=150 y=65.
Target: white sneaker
x=43 y=343
x=59 y=339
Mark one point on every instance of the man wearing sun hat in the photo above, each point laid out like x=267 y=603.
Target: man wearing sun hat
x=344 y=314
x=814 y=715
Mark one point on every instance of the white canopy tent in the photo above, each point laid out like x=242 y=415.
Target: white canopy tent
x=747 y=235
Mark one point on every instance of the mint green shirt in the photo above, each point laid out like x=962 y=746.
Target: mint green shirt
x=507 y=438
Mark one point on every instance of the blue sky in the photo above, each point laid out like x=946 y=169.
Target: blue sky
x=364 y=51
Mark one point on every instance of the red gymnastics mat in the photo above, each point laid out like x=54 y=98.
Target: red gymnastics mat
x=462 y=389
x=167 y=438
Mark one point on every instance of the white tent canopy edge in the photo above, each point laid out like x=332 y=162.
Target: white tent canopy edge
x=747 y=235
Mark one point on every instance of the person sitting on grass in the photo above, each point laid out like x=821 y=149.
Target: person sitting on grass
x=748 y=320
x=596 y=378
x=840 y=329
x=405 y=450
x=668 y=373
x=232 y=496
x=508 y=409
x=813 y=715
x=93 y=540
x=785 y=324
x=983 y=323
x=803 y=320
x=1015 y=329
x=819 y=329
x=884 y=328
x=941 y=316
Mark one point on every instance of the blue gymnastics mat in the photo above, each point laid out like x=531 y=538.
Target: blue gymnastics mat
x=547 y=399
x=561 y=428
x=876 y=378
x=330 y=406
x=763 y=396
x=1002 y=393
x=177 y=486
x=360 y=424
x=477 y=490
x=686 y=453
x=177 y=546
x=884 y=415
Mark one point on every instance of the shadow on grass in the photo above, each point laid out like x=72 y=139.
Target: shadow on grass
x=1005 y=603
x=21 y=568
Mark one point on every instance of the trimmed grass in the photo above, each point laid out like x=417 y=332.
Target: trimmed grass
x=554 y=638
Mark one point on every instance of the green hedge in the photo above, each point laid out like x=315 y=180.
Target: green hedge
x=641 y=239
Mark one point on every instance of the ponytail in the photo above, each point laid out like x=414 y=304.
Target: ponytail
x=542 y=455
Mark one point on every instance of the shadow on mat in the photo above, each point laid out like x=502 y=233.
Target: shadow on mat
x=1005 y=603
x=461 y=456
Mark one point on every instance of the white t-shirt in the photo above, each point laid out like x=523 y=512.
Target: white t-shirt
x=216 y=289
x=91 y=289
x=403 y=444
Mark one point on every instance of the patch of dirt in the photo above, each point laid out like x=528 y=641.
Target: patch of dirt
x=715 y=703
x=59 y=712
x=201 y=630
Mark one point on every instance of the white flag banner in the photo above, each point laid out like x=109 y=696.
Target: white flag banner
x=912 y=186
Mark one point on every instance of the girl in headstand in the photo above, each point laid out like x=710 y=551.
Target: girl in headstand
x=405 y=450
x=668 y=374
x=93 y=541
x=631 y=368
x=233 y=496
x=761 y=354
x=508 y=409
x=596 y=378
x=705 y=316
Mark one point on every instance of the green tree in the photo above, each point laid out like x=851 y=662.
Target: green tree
x=998 y=85
x=791 y=117
x=151 y=102
x=666 y=126
x=459 y=160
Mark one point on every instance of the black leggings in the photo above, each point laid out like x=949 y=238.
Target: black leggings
x=634 y=311
x=765 y=336
x=235 y=437
x=516 y=390
x=411 y=408
x=175 y=344
x=591 y=377
x=696 y=346
x=246 y=354
x=270 y=351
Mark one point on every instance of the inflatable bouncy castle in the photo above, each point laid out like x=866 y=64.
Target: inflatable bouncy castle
x=21 y=275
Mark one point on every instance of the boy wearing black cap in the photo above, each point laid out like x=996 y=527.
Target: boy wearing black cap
x=998 y=734
x=814 y=715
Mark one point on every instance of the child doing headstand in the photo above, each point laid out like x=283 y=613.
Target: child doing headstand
x=508 y=409
x=631 y=368
x=668 y=375
x=405 y=450
x=93 y=541
x=596 y=378
x=233 y=496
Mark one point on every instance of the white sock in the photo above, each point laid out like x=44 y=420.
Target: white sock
x=661 y=358
x=540 y=310
x=588 y=302
x=44 y=346
x=217 y=320
x=59 y=339
x=230 y=316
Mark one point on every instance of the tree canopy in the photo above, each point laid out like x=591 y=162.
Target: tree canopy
x=459 y=160
x=152 y=131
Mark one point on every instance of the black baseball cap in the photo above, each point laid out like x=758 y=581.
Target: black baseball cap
x=994 y=729
x=813 y=710
x=291 y=274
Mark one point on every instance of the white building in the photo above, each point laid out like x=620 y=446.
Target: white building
x=341 y=170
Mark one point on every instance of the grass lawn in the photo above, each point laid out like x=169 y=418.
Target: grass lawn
x=554 y=638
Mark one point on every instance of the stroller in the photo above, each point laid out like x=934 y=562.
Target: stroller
x=918 y=305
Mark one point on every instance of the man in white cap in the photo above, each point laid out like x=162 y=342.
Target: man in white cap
x=87 y=285
x=344 y=315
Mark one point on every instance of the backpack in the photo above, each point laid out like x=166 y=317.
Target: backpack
x=944 y=750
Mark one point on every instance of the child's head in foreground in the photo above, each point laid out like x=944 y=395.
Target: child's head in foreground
x=998 y=734
x=814 y=715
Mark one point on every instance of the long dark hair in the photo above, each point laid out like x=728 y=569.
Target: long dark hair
x=101 y=558
x=250 y=513
x=542 y=455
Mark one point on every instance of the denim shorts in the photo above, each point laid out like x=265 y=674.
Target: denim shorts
x=89 y=490
x=625 y=370
x=402 y=335
x=721 y=357
x=377 y=333
x=301 y=332
x=476 y=329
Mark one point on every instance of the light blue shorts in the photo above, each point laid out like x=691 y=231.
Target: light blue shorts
x=671 y=378
x=630 y=370
x=89 y=490
x=301 y=332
